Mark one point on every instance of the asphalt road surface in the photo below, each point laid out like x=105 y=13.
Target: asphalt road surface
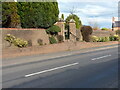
x=96 y=69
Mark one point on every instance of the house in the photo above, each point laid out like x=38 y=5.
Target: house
x=115 y=24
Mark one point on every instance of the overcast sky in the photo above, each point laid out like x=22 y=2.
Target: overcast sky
x=91 y=10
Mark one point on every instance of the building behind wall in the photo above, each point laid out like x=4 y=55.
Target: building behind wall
x=115 y=24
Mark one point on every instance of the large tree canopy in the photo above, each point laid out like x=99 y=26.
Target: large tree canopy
x=76 y=18
x=29 y=14
x=38 y=14
x=10 y=17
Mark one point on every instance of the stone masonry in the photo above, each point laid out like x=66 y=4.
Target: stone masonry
x=61 y=24
x=72 y=29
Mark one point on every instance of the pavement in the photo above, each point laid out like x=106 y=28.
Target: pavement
x=43 y=57
x=92 y=68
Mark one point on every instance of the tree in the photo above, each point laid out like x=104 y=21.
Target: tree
x=62 y=16
x=38 y=14
x=76 y=18
x=10 y=17
x=73 y=10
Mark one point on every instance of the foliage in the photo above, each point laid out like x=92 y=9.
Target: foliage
x=94 y=38
x=16 y=41
x=10 y=38
x=10 y=17
x=86 y=31
x=40 y=41
x=20 y=42
x=52 y=40
x=38 y=14
x=29 y=14
x=62 y=16
x=114 y=38
x=53 y=30
x=110 y=38
x=60 y=38
x=103 y=39
x=99 y=39
x=77 y=21
x=107 y=39
x=104 y=29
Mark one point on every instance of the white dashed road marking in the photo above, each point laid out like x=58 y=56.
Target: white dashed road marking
x=51 y=69
x=101 y=57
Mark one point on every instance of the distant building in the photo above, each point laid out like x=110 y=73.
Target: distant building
x=115 y=24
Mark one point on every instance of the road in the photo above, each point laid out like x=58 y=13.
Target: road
x=95 y=69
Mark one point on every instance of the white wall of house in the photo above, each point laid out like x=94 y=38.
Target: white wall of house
x=115 y=23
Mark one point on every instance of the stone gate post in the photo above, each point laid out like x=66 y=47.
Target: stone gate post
x=72 y=29
x=61 y=24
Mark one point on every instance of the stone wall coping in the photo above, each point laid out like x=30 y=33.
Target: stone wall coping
x=22 y=29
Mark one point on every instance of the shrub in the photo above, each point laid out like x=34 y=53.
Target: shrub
x=103 y=39
x=16 y=41
x=10 y=38
x=107 y=39
x=114 y=38
x=86 y=31
x=20 y=43
x=99 y=39
x=60 y=38
x=53 y=30
x=94 y=38
x=40 y=41
x=104 y=29
x=52 y=40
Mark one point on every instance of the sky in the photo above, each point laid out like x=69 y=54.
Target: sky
x=98 y=11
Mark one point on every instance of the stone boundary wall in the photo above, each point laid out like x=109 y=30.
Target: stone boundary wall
x=27 y=34
x=101 y=33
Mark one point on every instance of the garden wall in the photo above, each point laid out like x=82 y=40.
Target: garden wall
x=27 y=34
x=101 y=33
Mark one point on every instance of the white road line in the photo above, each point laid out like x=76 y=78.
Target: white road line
x=101 y=57
x=51 y=69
